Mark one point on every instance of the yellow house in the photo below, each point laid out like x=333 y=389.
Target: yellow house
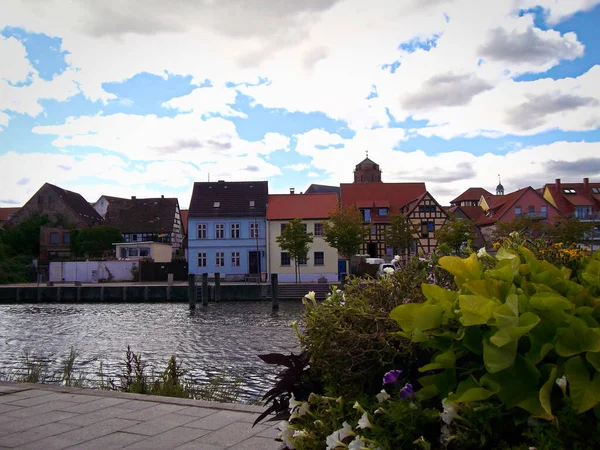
x=313 y=209
x=158 y=251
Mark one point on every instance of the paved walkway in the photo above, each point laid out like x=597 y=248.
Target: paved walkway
x=37 y=416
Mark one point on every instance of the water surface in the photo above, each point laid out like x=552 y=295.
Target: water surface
x=223 y=338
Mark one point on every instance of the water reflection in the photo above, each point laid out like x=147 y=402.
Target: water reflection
x=224 y=336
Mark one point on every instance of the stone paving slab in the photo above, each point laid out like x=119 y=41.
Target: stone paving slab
x=56 y=417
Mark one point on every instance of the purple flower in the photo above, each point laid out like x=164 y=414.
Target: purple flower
x=392 y=376
x=407 y=391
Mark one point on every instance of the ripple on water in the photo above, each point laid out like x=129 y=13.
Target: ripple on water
x=224 y=338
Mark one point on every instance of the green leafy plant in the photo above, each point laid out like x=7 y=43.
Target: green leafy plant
x=294 y=240
x=522 y=335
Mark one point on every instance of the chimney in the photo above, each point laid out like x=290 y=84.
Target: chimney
x=133 y=197
x=557 y=183
x=162 y=196
x=292 y=190
x=586 y=185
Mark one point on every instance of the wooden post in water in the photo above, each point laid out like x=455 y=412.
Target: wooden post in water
x=192 y=290
x=217 y=286
x=274 y=292
x=204 y=289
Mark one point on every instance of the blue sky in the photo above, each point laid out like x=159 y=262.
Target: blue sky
x=146 y=100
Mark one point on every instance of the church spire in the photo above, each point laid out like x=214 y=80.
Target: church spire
x=499 y=188
x=367 y=171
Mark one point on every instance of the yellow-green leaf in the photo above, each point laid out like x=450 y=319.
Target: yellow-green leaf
x=546 y=392
x=446 y=360
x=476 y=310
x=585 y=393
x=404 y=315
x=498 y=358
x=578 y=338
x=594 y=359
x=549 y=301
x=505 y=335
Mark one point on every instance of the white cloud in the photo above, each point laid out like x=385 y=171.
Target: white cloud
x=185 y=137
x=15 y=65
x=299 y=167
x=116 y=175
x=557 y=11
x=448 y=174
x=4 y=118
x=206 y=100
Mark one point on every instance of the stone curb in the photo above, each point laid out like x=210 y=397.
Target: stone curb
x=19 y=387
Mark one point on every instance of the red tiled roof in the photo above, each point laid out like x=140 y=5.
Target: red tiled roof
x=304 y=206
x=472 y=212
x=566 y=203
x=499 y=204
x=5 y=212
x=184 y=218
x=398 y=194
x=471 y=194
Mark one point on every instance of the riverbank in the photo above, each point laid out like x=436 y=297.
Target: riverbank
x=39 y=416
x=148 y=292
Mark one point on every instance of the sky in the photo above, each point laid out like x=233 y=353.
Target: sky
x=132 y=97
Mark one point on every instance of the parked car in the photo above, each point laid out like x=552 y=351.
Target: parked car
x=382 y=268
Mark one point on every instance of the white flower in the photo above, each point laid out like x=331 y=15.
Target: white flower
x=300 y=434
x=294 y=403
x=482 y=253
x=311 y=296
x=388 y=270
x=299 y=412
x=379 y=411
x=364 y=422
x=562 y=383
x=450 y=411
x=334 y=440
x=286 y=433
x=382 y=396
x=357 y=444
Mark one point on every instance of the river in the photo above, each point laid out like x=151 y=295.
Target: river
x=221 y=339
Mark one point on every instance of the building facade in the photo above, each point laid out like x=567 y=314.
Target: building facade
x=227 y=229
x=427 y=217
x=313 y=209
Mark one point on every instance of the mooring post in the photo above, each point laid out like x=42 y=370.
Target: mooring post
x=205 y=289
x=274 y=292
x=343 y=276
x=217 y=286
x=192 y=290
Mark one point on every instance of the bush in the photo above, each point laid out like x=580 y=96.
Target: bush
x=521 y=337
x=350 y=336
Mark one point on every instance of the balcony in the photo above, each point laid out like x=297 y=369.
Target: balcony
x=534 y=214
x=594 y=216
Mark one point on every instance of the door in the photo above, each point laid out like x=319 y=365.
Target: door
x=254 y=263
x=372 y=249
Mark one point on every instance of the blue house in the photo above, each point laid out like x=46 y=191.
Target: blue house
x=227 y=229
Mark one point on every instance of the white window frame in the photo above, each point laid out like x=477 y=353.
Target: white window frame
x=201 y=259
x=315 y=259
x=234 y=230
x=220 y=259
x=235 y=259
x=219 y=231
x=318 y=225
x=202 y=231
x=254 y=230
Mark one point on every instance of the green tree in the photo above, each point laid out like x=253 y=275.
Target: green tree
x=454 y=232
x=294 y=240
x=399 y=234
x=24 y=237
x=344 y=231
x=530 y=227
x=569 y=230
x=95 y=241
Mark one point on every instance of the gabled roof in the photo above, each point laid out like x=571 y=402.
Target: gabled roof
x=566 y=203
x=303 y=206
x=416 y=202
x=473 y=213
x=141 y=215
x=322 y=189
x=77 y=204
x=184 y=219
x=398 y=194
x=233 y=199
x=471 y=194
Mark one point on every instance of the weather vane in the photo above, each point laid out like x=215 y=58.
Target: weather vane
x=367 y=153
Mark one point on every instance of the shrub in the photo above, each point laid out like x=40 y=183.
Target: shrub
x=520 y=339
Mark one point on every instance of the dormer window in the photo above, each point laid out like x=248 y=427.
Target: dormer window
x=217 y=204
x=569 y=191
x=251 y=203
x=596 y=190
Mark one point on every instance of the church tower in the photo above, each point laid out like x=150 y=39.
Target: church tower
x=499 y=188
x=367 y=171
